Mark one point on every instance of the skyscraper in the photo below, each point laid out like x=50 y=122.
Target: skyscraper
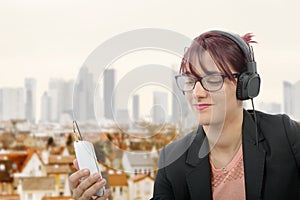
x=30 y=104
x=45 y=108
x=160 y=107
x=271 y=107
x=292 y=99
x=83 y=98
x=135 y=107
x=288 y=97
x=297 y=100
x=55 y=94
x=67 y=89
x=109 y=101
x=12 y=103
x=57 y=100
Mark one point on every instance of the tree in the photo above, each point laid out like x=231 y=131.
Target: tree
x=50 y=142
x=100 y=153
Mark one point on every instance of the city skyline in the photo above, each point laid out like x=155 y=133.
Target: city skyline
x=162 y=103
x=36 y=43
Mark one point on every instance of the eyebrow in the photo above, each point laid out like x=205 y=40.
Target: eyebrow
x=207 y=73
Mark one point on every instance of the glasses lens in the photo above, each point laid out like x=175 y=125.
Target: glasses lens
x=185 y=83
x=212 y=82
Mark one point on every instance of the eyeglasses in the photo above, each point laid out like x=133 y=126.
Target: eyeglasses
x=210 y=83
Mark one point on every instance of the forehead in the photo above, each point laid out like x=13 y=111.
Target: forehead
x=201 y=64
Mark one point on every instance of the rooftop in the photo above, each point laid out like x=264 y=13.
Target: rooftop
x=38 y=184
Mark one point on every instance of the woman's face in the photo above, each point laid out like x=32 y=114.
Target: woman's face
x=212 y=108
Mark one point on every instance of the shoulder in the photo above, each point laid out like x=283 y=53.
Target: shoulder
x=182 y=142
x=275 y=119
x=176 y=149
x=276 y=122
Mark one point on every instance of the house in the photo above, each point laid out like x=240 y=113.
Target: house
x=6 y=177
x=33 y=165
x=57 y=198
x=60 y=174
x=16 y=157
x=60 y=159
x=35 y=188
x=10 y=197
x=138 y=162
x=141 y=187
x=60 y=167
x=118 y=185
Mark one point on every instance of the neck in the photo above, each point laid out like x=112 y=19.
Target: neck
x=227 y=137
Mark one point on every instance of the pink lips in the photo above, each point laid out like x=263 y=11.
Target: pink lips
x=202 y=106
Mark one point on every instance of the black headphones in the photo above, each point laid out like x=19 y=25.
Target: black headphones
x=248 y=84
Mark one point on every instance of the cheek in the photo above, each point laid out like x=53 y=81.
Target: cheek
x=225 y=97
x=189 y=97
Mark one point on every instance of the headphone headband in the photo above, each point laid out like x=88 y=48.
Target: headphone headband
x=239 y=41
x=249 y=81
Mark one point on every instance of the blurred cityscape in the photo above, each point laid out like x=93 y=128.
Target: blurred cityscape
x=36 y=154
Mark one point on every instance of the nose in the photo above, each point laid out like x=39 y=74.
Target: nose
x=199 y=91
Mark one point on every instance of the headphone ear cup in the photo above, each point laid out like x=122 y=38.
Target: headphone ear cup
x=253 y=86
x=248 y=86
x=240 y=86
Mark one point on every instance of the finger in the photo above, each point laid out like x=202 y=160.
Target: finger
x=83 y=189
x=74 y=179
x=75 y=163
x=105 y=196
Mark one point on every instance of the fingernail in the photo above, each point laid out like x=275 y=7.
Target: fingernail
x=96 y=176
x=86 y=171
x=103 y=181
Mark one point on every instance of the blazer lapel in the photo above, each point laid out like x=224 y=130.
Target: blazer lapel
x=254 y=159
x=198 y=179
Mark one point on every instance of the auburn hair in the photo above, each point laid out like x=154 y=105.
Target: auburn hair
x=224 y=52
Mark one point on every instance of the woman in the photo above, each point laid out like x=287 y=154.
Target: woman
x=234 y=153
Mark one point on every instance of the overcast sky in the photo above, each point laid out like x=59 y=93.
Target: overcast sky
x=44 y=39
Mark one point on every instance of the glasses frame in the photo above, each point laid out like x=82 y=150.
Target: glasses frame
x=200 y=79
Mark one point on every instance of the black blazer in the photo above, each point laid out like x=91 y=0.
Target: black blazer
x=271 y=169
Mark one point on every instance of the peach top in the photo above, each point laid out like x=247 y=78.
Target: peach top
x=229 y=183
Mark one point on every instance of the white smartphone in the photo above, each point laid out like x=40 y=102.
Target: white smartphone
x=86 y=156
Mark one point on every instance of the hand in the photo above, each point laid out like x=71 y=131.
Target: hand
x=84 y=186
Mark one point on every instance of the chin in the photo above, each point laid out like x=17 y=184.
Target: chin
x=203 y=120
x=206 y=120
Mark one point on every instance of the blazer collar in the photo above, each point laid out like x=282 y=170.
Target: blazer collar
x=254 y=157
x=199 y=180
x=249 y=127
x=198 y=148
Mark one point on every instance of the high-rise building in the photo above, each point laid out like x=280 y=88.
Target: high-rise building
x=135 y=107
x=160 y=107
x=122 y=117
x=297 y=100
x=45 y=108
x=272 y=108
x=175 y=103
x=12 y=103
x=109 y=101
x=56 y=95
x=292 y=99
x=83 y=102
x=288 y=97
x=57 y=101
x=67 y=89
x=30 y=104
